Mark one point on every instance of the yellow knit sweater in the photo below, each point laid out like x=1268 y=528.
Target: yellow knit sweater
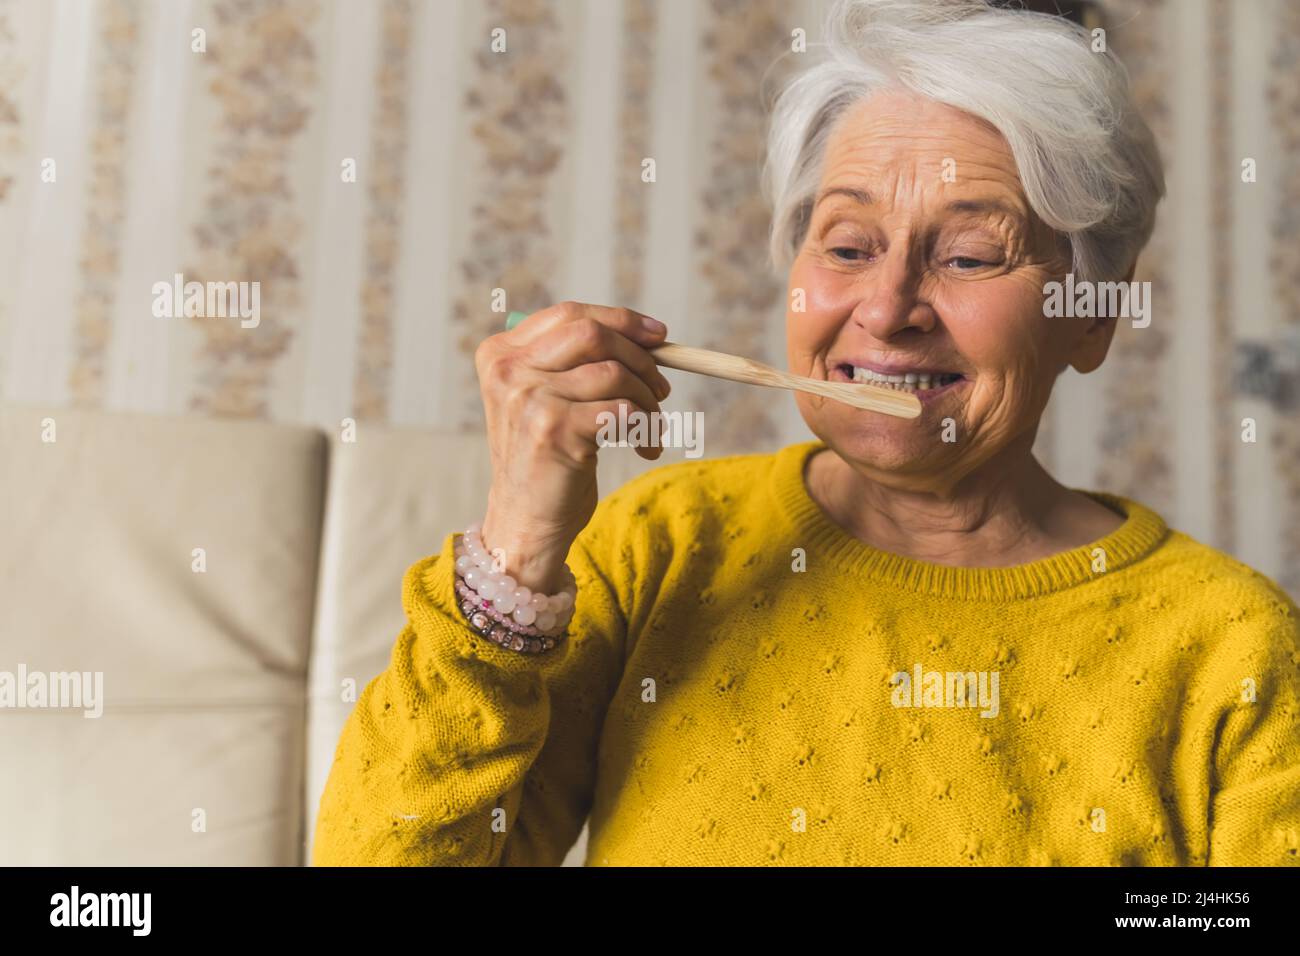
x=731 y=695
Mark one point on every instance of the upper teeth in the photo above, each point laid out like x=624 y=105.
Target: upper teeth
x=909 y=381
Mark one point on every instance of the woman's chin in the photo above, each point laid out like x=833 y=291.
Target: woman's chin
x=875 y=448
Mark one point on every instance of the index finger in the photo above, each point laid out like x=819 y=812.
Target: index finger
x=636 y=326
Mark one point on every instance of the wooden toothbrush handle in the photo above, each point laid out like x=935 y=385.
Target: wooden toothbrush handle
x=736 y=369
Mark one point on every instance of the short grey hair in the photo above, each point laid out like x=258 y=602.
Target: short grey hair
x=1087 y=160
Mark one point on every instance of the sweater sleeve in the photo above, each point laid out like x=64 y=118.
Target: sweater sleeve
x=1255 y=803
x=464 y=753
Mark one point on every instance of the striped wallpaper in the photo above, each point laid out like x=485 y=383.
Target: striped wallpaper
x=380 y=170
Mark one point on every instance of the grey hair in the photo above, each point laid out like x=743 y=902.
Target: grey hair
x=1088 y=162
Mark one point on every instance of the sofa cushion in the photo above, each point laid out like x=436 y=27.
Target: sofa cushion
x=197 y=757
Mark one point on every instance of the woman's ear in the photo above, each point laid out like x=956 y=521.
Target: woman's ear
x=1094 y=341
x=1090 y=351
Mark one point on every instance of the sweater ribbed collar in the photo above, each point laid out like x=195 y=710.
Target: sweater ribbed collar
x=1141 y=533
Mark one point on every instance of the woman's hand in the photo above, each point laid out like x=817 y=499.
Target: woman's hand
x=545 y=384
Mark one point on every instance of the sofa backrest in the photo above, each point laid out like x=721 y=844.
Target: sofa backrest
x=176 y=559
x=226 y=579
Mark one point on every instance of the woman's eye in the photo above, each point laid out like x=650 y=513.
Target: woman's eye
x=847 y=249
x=966 y=262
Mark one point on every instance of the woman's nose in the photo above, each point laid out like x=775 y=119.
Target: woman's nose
x=890 y=301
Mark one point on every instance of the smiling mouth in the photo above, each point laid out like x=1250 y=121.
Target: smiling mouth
x=917 y=383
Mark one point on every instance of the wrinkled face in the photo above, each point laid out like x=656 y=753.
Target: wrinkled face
x=923 y=256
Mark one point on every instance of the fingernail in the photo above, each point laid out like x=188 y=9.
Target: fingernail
x=653 y=325
x=664 y=388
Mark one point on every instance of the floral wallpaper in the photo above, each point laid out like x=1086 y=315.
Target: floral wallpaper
x=1225 y=165
x=518 y=109
x=384 y=213
x=261 y=70
x=1284 y=260
x=106 y=197
x=1135 y=438
x=635 y=103
x=740 y=41
x=10 y=72
x=258 y=200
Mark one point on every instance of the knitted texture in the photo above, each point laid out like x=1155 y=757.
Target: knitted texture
x=730 y=695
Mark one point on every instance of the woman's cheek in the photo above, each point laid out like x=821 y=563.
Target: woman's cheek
x=1028 y=354
x=997 y=333
x=1005 y=400
x=813 y=315
x=821 y=292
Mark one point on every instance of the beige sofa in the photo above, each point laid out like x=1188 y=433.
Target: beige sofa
x=229 y=580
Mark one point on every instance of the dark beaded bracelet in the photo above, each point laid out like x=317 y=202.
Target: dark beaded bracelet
x=483 y=624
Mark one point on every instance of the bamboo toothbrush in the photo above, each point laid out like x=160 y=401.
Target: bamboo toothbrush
x=874 y=398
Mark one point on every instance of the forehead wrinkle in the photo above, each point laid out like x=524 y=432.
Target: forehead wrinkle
x=992 y=211
x=864 y=175
x=870 y=145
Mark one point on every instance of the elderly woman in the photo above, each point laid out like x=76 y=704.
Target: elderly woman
x=901 y=643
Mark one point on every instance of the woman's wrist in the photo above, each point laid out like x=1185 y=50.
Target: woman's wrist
x=537 y=564
x=503 y=611
x=498 y=606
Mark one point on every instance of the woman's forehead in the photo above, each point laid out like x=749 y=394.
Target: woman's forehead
x=958 y=157
x=895 y=127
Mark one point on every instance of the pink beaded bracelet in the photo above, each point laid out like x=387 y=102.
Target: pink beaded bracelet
x=477 y=603
x=490 y=622
x=498 y=608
